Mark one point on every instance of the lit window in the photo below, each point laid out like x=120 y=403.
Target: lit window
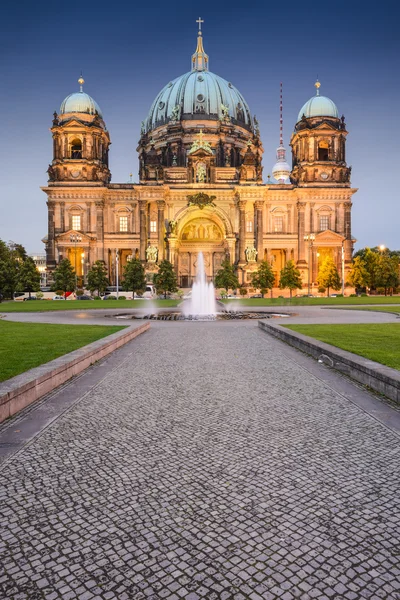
x=76 y=222
x=153 y=226
x=249 y=227
x=278 y=224
x=324 y=223
x=123 y=223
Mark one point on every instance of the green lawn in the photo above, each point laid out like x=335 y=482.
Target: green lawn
x=315 y=301
x=388 y=309
x=376 y=341
x=50 y=305
x=27 y=345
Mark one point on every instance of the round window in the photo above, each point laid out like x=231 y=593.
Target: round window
x=230 y=85
x=200 y=78
x=161 y=105
x=200 y=98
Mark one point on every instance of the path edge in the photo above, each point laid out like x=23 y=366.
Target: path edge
x=24 y=389
x=379 y=378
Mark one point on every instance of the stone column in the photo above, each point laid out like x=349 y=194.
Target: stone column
x=347 y=232
x=172 y=249
x=100 y=229
x=242 y=230
x=341 y=218
x=143 y=229
x=88 y=217
x=312 y=204
x=258 y=218
x=161 y=229
x=301 y=232
x=289 y=218
x=51 y=244
x=62 y=217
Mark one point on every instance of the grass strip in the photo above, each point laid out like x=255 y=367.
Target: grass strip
x=376 y=341
x=347 y=301
x=54 y=305
x=24 y=346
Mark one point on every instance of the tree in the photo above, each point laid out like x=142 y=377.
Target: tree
x=264 y=277
x=226 y=276
x=134 y=276
x=328 y=276
x=8 y=276
x=64 y=277
x=28 y=277
x=359 y=276
x=165 y=280
x=387 y=271
x=290 y=278
x=97 y=277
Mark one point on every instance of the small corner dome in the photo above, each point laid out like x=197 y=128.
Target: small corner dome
x=319 y=106
x=80 y=102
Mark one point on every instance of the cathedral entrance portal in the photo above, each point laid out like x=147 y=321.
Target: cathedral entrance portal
x=200 y=235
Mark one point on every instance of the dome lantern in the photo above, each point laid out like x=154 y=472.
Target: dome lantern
x=199 y=58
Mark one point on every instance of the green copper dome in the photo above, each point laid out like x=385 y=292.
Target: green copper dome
x=198 y=94
x=318 y=106
x=80 y=102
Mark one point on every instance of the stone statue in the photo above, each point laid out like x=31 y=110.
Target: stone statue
x=172 y=226
x=142 y=128
x=225 y=113
x=176 y=113
x=55 y=119
x=201 y=173
x=151 y=253
x=251 y=254
x=256 y=126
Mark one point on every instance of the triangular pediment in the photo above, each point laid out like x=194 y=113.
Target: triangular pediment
x=200 y=152
x=74 y=122
x=325 y=125
x=329 y=236
x=65 y=237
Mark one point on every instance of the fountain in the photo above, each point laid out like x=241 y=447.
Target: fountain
x=202 y=303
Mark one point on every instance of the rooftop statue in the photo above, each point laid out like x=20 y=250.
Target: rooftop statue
x=200 y=143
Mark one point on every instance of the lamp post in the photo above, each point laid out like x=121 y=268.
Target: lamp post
x=75 y=239
x=116 y=269
x=310 y=237
x=83 y=268
x=342 y=267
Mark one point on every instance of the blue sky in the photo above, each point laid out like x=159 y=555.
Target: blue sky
x=128 y=53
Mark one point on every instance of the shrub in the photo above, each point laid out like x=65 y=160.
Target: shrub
x=353 y=296
x=59 y=293
x=363 y=295
x=79 y=292
x=39 y=295
x=96 y=298
x=242 y=291
x=122 y=298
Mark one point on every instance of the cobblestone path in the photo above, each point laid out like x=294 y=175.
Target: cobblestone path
x=209 y=465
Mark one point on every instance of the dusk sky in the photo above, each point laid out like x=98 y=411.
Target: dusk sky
x=129 y=51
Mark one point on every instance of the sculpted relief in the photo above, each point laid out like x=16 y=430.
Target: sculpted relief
x=201 y=229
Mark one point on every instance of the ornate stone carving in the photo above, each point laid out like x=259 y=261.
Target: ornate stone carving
x=201 y=200
x=251 y=254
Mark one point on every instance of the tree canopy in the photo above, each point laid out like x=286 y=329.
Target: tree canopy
x=226 y=276
x=134 y=276
x=64 y=277
x=328 y=276
x=290 y=278
x=264 y=277
x=97 y=277
x=12 y=257
x=28 y=277
x=165 y=280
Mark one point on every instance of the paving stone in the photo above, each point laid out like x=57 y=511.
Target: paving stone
x=207 y=465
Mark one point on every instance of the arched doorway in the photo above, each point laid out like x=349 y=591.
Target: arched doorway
x=200 y=233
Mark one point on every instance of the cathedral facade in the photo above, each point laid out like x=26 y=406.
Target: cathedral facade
x=200 y=186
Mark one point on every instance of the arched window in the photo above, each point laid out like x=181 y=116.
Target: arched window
x=76 y=148
x=323 y=152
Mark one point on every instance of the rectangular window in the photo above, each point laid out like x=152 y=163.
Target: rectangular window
x=76 y=222
x=324 y=223
x=278 y=224
x=123 y=223
x=249 y=226
x=153 y=226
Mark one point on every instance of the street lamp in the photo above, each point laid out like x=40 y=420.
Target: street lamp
x=342 y=267
x=83 y=268
x=75 y=239
x=310 y=237
x=382 y=248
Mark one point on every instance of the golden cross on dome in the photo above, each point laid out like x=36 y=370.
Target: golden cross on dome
x=199 y=21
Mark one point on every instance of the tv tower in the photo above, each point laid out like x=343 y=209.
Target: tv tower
x=281 y=169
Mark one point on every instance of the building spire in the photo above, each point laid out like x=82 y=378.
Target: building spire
x=317 y=85
x=199 y=58
x=281 y=169
x=81 y=81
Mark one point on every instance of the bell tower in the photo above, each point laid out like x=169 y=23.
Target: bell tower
x=319 y=145
x=80 y=142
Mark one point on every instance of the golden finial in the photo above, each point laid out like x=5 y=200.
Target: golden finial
x=317 y=85
x=81 y=81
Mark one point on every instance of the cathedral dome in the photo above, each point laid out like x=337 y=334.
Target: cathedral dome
x=80 y=102
x=198 y=94
x=318 y=106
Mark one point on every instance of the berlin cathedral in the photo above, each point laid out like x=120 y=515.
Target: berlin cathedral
x=200 y=185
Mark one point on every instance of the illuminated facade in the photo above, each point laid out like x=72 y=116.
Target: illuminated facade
x=200 y=185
